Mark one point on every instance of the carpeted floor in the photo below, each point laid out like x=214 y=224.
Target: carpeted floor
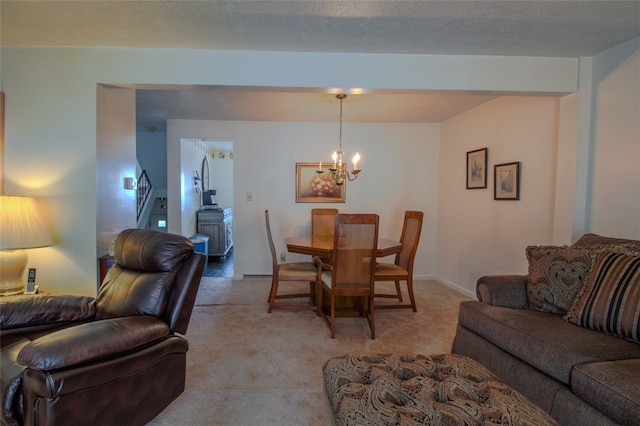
x=248 y=367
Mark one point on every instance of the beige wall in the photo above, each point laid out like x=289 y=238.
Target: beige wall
x=478 y=235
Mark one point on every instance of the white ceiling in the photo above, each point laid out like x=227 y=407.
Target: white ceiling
x=504 y=27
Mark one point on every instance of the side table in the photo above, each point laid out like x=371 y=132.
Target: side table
x=104 y=263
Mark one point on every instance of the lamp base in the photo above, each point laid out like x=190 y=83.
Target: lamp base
x=12 y=266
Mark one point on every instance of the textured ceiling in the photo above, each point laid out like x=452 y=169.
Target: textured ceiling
x=522 y=28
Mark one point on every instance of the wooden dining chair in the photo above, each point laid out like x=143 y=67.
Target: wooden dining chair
x=350 y=273
x=322 y=223
x=402 y=268
x=290 y=271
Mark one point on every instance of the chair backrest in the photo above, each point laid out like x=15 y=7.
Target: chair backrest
x=272 y=247
x=409 y=238
x=355 y=242
x=155 y=273
x=322 y=224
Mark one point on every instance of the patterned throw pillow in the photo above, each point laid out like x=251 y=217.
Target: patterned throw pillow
x=555 y=277
x=610 y=300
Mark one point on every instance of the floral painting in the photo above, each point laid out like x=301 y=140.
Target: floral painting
x=314 y=187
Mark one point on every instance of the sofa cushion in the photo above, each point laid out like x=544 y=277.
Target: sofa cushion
x=557 y=273
x=610 y=299
x=542 y=339
x=555 y=277
x=595 y=240
x=613 y=387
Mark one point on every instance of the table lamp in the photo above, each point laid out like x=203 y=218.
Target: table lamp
x=21 y=227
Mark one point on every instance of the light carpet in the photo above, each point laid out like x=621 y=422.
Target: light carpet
x=248 y=367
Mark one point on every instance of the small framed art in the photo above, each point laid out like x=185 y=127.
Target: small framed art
x=506 y=181
x=313 y=187
x=477 y=169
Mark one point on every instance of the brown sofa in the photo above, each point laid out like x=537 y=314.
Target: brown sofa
x=540 y=333
x=111 y=360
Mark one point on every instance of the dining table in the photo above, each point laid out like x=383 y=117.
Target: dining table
x=323 y=247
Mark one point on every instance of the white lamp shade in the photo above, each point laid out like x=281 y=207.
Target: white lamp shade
x=21 y=226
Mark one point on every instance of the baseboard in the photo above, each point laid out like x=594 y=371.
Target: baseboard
x=453 y=286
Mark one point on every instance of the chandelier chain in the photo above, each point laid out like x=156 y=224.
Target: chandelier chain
x=339 y=171
x=340 y=134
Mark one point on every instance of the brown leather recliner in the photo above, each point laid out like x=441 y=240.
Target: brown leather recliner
x=111 y=360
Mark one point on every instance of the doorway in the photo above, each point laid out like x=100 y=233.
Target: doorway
x=207 y=199
x=220 y=266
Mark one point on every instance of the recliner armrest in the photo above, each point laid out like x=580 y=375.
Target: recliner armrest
x=509 y=291
x=35 y=310
x=90 y=341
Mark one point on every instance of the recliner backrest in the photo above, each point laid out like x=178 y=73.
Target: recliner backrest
x=154 y=274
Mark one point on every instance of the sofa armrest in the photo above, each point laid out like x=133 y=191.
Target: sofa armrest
x=38 y=310
x=90 y=341
x=508 y=291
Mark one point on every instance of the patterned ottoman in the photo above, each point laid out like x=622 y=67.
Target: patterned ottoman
x=423 y=390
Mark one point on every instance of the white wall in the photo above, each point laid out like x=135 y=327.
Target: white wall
x=151 y=152
x=478 y=235
x=116 y=147
x=51 y=136
x=221 y=179
x=400 y=169
x=191 y=155
x=616 y=183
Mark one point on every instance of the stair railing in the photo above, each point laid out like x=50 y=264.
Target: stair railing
x=144 y=189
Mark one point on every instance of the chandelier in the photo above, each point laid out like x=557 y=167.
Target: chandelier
x=338 y=170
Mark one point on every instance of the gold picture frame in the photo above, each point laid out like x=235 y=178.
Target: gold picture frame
x=313 y=187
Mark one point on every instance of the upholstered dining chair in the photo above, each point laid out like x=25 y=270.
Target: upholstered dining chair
x=350 y=273
x=290 y=271
x=402 y=268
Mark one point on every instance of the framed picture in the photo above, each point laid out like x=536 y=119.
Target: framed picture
x=507 y=181
x=313 y=187
x=477 y=169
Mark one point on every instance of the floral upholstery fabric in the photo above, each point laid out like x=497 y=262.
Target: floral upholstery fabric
x=423 y=390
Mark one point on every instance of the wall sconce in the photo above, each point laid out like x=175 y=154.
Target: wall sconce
x=129 y=183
